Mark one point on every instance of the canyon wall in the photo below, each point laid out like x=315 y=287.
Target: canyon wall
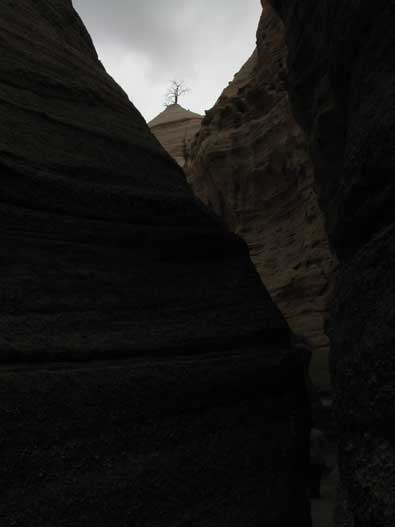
x=146 y=376
x=250 y=164
x=342 y=87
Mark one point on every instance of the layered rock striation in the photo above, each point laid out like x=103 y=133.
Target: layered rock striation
x=175 y=128
x=96 y=218
x=342 y=87
x=146 y=376
x=250 y=164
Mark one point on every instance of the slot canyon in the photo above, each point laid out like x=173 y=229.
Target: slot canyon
x=155 y=278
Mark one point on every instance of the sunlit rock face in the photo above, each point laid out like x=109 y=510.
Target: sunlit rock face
x=146 y=377
x=250 y=164
x=342 y=86
x=175 y=128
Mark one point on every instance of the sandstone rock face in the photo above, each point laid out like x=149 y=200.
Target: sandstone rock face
x=174 y=128
x=249 y=163
x=146 y=377
x=342 y=85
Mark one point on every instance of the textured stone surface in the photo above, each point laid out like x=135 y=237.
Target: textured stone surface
x=96 y=218
x=199 y=441
x=146 y=377
x=174 y=128
x=342 y=85
x=249 y=162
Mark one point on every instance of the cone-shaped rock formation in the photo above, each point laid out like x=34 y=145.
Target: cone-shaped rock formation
x=174 y=128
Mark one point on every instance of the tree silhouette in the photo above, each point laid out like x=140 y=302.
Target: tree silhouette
x=176 y=90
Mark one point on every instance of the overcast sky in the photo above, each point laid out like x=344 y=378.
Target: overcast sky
x=145 y=43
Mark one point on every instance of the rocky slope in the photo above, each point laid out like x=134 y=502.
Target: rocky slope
x=342 y=86
x=146 y=377
x=174 y=128
x=250 y=164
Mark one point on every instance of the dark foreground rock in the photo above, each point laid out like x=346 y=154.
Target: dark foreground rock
x=342 y=85
x=146 y=377
x=250 y=163
x=202 y=441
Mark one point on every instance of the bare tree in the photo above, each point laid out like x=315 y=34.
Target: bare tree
x=176 y=90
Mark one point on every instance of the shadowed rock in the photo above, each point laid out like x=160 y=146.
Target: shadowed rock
x=105 y=248
x=342 y=85
x=146 y=376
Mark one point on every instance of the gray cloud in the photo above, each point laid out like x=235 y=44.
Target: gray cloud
x=145 y=43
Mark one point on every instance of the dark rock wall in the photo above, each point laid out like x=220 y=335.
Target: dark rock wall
x=342 y=86
x=209 y=440
x=250 y=163
x=146 y=377
x=96 y=218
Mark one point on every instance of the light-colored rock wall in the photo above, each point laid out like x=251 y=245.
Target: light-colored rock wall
x=250 y=163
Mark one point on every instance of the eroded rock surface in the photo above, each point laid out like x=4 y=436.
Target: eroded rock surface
x=342 y=86
x=250 y=164
x=146 y=377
